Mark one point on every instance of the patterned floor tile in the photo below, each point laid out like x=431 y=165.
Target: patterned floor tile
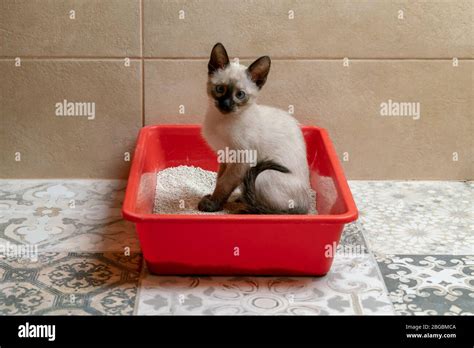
x=409 y=219
x=60 y=215
x=427 y=217
x=352 y=241
x=429 y=285
x=352 y=286
x=69 y=283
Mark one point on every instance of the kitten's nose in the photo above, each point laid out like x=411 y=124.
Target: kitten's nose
x=226 y=104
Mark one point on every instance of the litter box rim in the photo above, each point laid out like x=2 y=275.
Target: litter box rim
x=138 y=161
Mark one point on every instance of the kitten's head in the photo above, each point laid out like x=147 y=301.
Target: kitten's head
x=233 y=86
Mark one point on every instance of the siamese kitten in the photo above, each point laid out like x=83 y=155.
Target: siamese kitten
x=279 y=182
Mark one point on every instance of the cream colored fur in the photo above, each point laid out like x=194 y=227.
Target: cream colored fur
x=273 y=133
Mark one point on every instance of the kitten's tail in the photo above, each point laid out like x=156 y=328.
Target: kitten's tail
x=249 y=195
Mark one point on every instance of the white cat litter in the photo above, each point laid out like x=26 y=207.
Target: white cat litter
x=179 y=190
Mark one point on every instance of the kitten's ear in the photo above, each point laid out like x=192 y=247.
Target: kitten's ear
x=259 y=70
x=219 y=58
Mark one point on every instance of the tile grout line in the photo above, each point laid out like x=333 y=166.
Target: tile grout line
x=379 y=271
x=281 y=58
x=142 y=275
x=142 y=62
x=377 y=267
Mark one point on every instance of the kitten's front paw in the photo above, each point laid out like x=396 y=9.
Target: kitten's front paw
x=208 y=205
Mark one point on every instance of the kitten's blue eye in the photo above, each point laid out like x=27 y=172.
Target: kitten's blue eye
x=240 y=95
x=220 y=89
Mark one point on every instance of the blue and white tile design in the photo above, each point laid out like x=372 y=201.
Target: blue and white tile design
x=70 y=283
x=430 y=285
x=353 y=286
x=64 y=215
x=412 y=253
x=416 y=217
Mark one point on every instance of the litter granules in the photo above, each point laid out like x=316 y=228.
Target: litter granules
x=179 y=190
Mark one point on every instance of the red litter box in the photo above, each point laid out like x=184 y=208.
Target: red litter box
x=234 y=244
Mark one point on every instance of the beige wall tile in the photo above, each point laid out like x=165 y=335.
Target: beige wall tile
x=320 y=28
x=346 y=101
x=171 y=85
x=68 y=146
x=43 y=28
